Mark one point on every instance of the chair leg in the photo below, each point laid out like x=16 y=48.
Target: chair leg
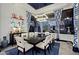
x=44 y=51
x=49 y=50
x=24 y=51
x=18 y=52
x=50 y=46
x=32 y=51
x=37 y=51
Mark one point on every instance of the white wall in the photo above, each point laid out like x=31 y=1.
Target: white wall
x=0 y=21
x=5 y=16
x=0 y=28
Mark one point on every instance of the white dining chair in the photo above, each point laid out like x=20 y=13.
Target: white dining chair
x=22 y=45
x=52 y=41
x=44 y=45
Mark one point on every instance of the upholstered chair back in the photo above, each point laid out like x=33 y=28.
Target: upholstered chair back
x=36 y=34
x=20 y=41
x=22 y=45
x=31 y=35
x=54 y=35
x=47 y=39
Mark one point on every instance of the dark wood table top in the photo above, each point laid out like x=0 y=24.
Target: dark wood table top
x=35 y=41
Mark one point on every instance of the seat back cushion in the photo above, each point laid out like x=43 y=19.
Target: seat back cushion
x=20 y=41
x=31 y=35
x=24 y=35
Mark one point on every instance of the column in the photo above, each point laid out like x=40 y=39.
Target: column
x=58 y=14
x=41 y=26
x=76 y=27
x=26 y=22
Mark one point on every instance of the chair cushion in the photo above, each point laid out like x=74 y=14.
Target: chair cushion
x=23 y=44
x=42 y=45
x=27 y=46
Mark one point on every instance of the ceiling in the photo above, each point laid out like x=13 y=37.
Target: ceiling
x=39 y=5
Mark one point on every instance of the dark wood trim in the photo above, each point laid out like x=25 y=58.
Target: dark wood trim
x=18 y=52
x=57 y=39
x=65 y=41
x=24 y=51
x=49 y=49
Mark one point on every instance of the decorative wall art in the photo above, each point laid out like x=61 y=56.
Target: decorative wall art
x=16 y=22
x=17 y=17
x=14 y=16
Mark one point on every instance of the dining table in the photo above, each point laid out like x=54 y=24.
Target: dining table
x=35 y=40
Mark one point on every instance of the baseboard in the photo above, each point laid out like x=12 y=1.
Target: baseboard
x=64 y=40
x=75 y=49
x=57 y=39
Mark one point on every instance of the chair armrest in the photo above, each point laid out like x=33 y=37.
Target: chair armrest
x=45 y=47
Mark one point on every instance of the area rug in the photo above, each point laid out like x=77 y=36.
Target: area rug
x=53 y=51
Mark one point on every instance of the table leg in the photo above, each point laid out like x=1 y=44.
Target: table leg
x=33 y=51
